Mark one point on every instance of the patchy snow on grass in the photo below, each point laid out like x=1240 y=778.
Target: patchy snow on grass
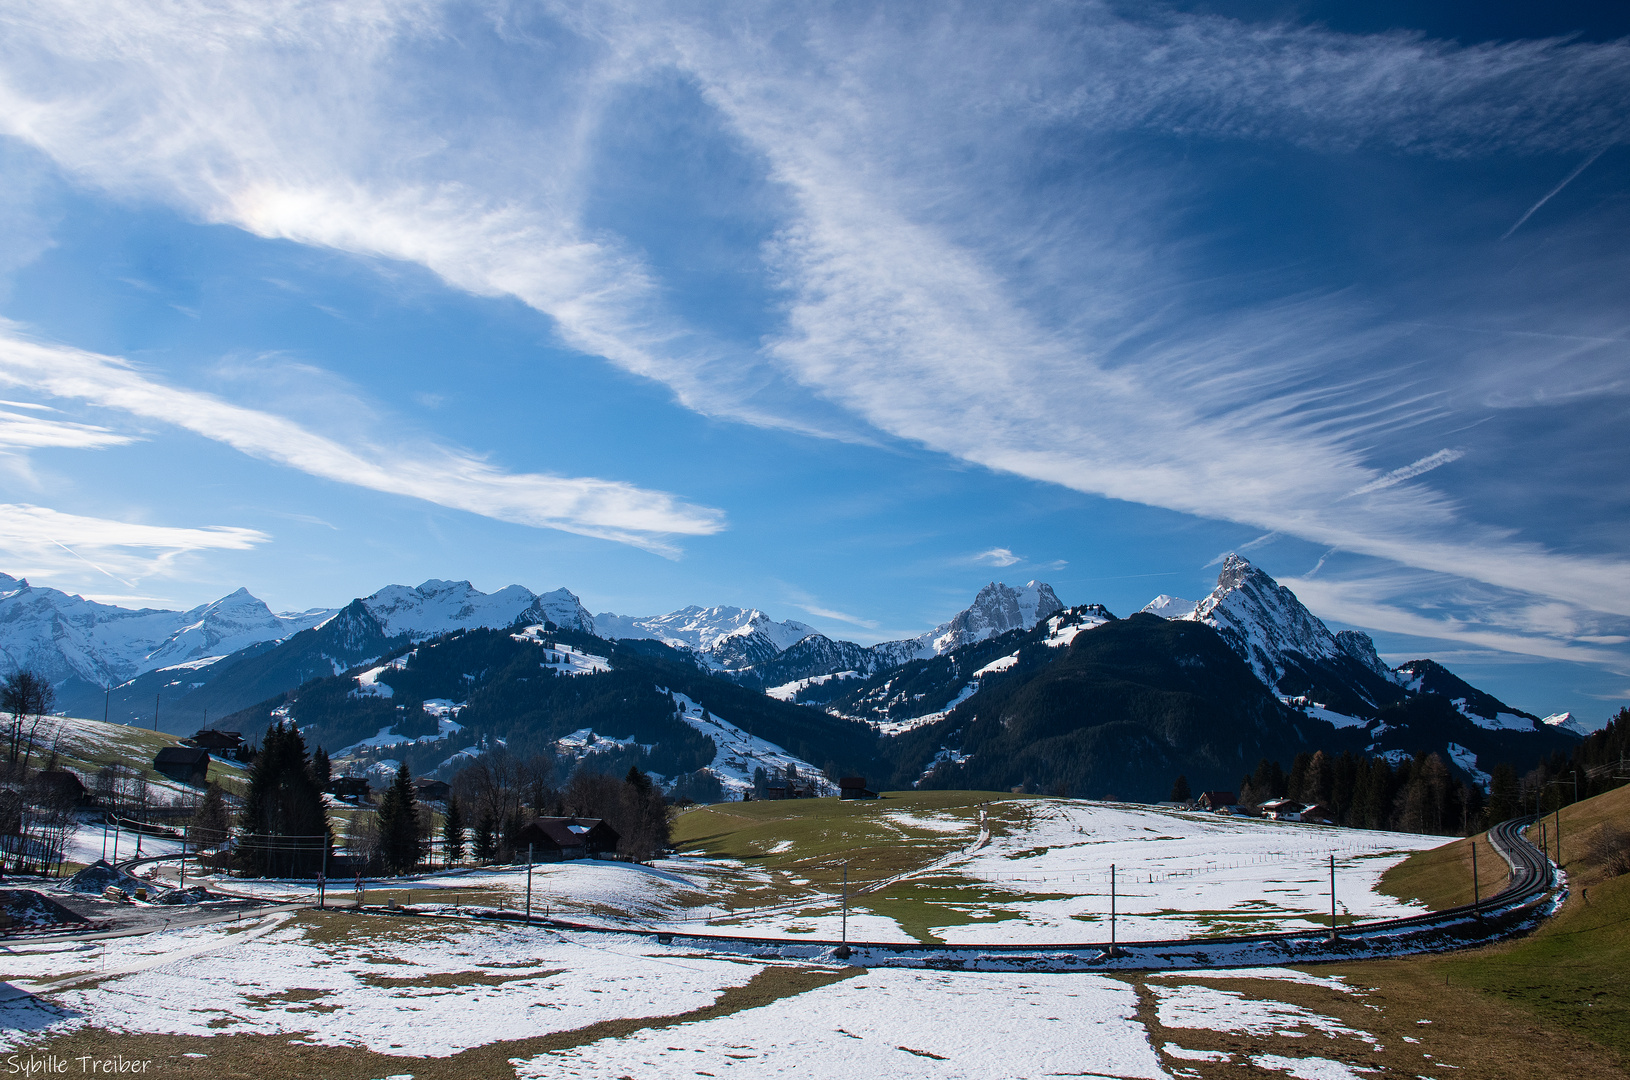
x=898 y=1024
x=1177 y=874
x=1311 y=1068
x=1210 y=1009
x=405 y=989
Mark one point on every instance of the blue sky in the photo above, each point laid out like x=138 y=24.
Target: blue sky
x=834 y=310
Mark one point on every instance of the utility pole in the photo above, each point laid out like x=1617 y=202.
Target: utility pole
x=1477 y=898
x=529 y=883
x=844 y=940
x=1112 y=949
x=1333 y=934
x=183 y=884
x=107 y=701
x=322 y=877
x=1574 y=782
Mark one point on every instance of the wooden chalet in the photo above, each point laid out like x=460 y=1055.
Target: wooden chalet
x=184 y=764
x=854 y=787
x=428 y=789
x=226 y=744
x=1216 y=800
x=57 y=786
x=556 y=839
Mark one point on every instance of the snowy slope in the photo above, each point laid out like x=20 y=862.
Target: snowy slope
x=1169 y=607
x=70 y=639
x=1567 y=722
x=740 y=753
x=1289 y=649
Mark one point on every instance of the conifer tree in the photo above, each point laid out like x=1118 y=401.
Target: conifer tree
x=1180 y=790
x=399 y=843
x=485 y=841
x=452 y=832
x=322 y=773
x=284 y=819
x=210 y=821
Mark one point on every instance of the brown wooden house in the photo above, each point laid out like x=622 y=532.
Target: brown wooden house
x=185 y=764
x=554 y=839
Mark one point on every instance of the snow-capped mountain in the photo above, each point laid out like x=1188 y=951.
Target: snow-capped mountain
x=440 y=607
x=81 y=644
x=726 y=638
x=1566 y=721
x=996 y=609
x=1169 y=607
x=1289 y=648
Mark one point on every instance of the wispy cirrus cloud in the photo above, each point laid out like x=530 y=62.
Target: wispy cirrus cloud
x=935 y=290
x=43 y=542
x=446 y=476
x=998 y=557
x=23 y=431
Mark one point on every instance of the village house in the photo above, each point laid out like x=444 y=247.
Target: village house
x=184 y=764
x=1216 y=801
x=854 y=787
x=556 y=839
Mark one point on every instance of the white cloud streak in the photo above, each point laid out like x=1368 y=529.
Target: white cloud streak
x=42 y=542
x=1408 y=472
x=19 y=431
x=447 y=477
x=1549 y=195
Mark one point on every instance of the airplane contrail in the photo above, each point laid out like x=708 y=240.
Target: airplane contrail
x=1583 y=165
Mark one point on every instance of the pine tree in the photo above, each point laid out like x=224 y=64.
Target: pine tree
x=322 y=773
x=485 y=842
x=210 y=821
x=399 y=843
x=284 y=819
x=1180 y=790
x=452 y=832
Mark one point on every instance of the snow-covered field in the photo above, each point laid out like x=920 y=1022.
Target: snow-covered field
x=1046 y=878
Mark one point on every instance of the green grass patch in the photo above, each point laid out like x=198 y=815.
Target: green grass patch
x=1574 y=971
x=1442 y=877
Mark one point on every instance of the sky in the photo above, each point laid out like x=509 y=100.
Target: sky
x=835 y=310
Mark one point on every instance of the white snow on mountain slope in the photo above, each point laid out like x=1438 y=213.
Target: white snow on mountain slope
x=440 y=607
x=1503 y=721
x=739 y=753
x=1062 y=629
x=561 y=658
x=1467 y=760
x=1169 y=607
x=1263 y=620
x=1568 y=722
x=790 y=691
x=64 y=637
x=1319 y=712
x=726 y=638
